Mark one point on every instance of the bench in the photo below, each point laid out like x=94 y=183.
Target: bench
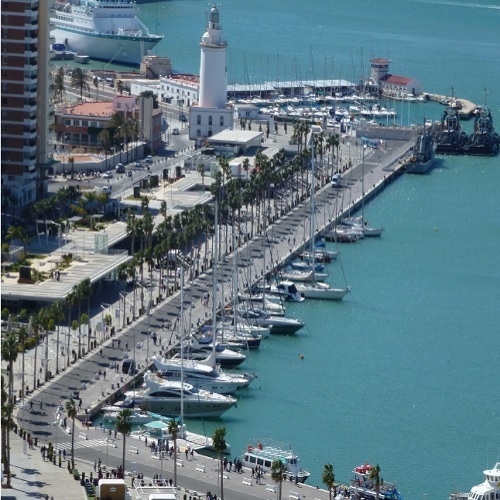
x=271 y=488
x=294 y=495
x=82 y=435
x=248 y=481
x=200 y=468
x=133 y=449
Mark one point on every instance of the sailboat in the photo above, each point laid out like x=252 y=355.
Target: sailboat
x=317 y=290
x=359 y=223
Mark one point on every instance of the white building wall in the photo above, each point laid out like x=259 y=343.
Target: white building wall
x=205 y=122
x=213 y=79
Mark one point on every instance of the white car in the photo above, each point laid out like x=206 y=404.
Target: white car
x=175 y=131
x=107 y=175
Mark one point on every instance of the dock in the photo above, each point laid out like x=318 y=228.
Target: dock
x=465 y=113
x=96 y=379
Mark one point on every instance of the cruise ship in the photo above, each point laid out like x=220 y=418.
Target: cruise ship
x=108 y=30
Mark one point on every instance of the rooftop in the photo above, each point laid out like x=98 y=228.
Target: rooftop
x=234 y=136
x=398 y=80
x=100 y=108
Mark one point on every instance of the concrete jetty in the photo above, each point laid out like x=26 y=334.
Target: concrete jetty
x=467 y=109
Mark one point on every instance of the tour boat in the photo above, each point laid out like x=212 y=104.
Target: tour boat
x=263 y=456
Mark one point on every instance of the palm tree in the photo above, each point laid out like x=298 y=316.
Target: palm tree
x=374 y=475
x=219 y=445
x=173 y=430
x=79 y=80
x=59 y=84
x=95 y=81
x=10 y=351
x=328 y=478
x=71 y=412
x=22 y=337
x=7 y=422
x=124 y=426
x=277 y=474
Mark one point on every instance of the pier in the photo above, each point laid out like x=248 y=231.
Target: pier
x=285 y=237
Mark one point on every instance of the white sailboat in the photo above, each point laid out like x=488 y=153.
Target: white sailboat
x=317 y=290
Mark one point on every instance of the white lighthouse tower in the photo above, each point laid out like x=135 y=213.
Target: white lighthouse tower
x=212 y=113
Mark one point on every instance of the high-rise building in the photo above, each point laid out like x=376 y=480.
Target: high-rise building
x=212 y=113
x=27 y=110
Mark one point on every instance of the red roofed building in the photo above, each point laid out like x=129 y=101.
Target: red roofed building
x=393 y=85
x=78 y=127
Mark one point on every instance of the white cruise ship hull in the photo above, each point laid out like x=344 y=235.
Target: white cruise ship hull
x=107 y=47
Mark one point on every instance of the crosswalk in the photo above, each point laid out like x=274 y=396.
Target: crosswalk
x=82 y=443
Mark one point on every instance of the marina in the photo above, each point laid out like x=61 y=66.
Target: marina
x=389 y=375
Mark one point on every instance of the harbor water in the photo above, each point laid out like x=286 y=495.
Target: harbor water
x=403 y=373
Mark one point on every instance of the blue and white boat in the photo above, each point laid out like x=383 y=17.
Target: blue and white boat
x=104 y=29
x=364 y=486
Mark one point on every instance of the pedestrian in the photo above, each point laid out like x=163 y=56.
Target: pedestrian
x=101 y=352
x=99 y=463
x=104 y=374
x=41 y=405
x=126 y=346
x=31 y=404
x=80 y=403
x=95 y=465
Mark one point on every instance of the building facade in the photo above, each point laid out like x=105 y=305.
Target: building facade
x=78 y=127
x=27 y=107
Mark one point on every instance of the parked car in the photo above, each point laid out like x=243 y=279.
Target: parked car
x=120 y=168
x=107 y=175
x=149 y=159
x=175 y=131
x=106 y=189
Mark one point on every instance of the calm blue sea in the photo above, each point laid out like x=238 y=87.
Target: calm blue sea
x=404 y=372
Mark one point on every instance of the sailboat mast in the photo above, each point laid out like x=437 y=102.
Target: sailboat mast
x=363 y=187
x=216 y=258
x=313 y=207
x=182 y=347
x=235 y=279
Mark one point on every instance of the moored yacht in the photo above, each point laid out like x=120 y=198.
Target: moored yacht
x=277 y=324
x=205 y=376
x=164 y=397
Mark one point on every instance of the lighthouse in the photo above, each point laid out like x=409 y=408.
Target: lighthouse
x=212 y=113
